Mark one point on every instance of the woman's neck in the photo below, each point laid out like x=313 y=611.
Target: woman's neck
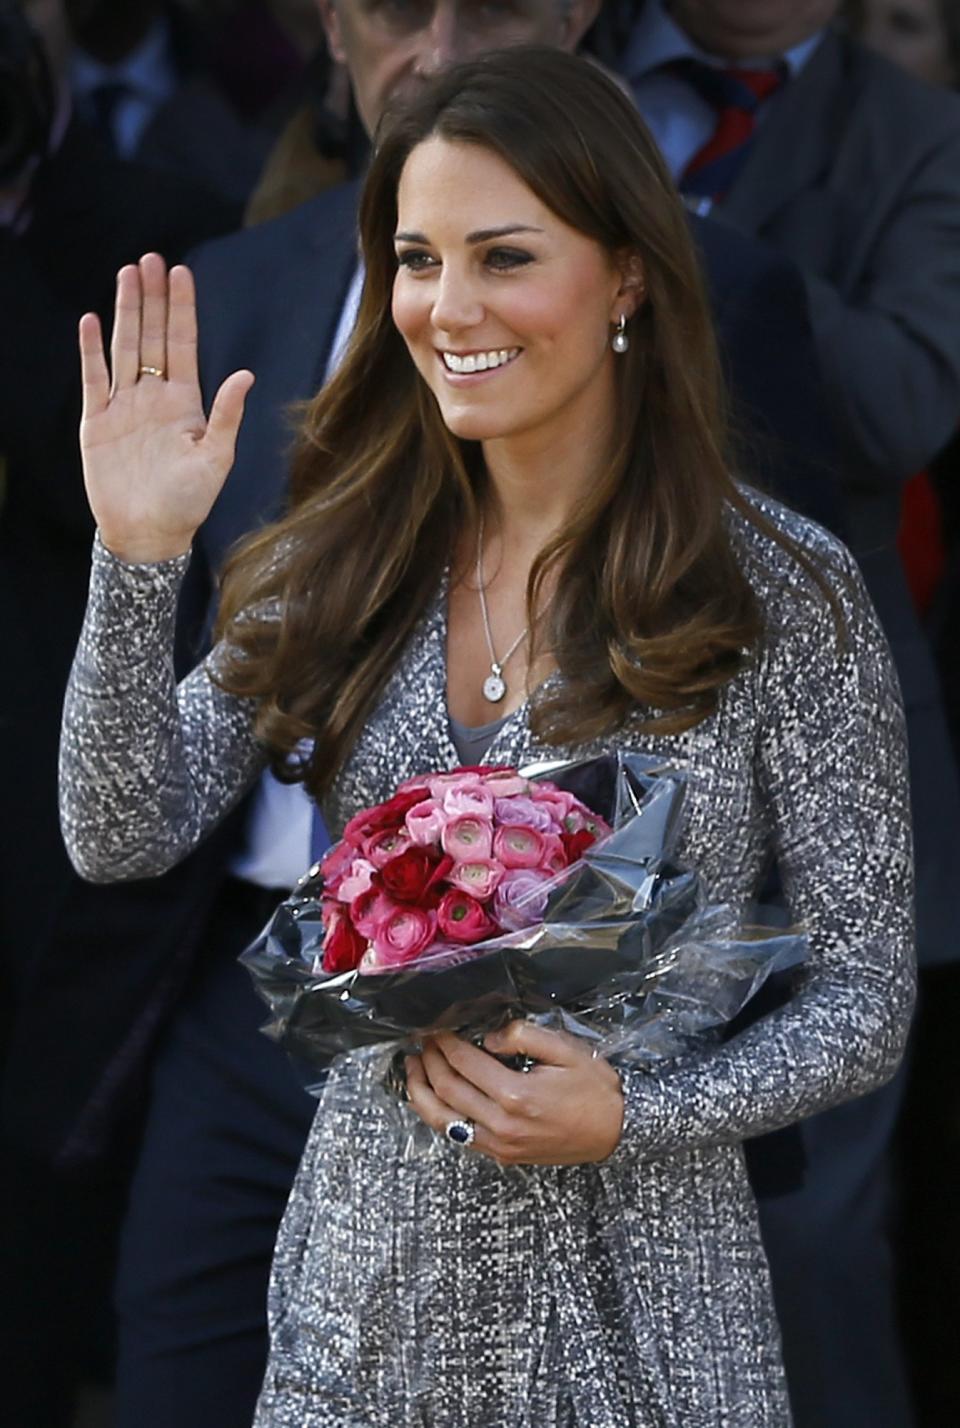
x=537 y=481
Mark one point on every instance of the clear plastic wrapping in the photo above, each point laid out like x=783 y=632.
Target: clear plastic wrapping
x=628 y=951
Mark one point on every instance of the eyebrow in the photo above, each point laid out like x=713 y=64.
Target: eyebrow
x=482 y=235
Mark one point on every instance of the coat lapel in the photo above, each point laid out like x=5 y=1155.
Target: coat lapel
x=802 y=126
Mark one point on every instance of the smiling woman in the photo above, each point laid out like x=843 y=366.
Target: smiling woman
x=527 y=429
x=487 y=226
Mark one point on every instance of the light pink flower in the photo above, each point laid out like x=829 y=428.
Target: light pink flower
x=468 y=838
x=357 y=880
x=440 y=783
x=503 y=785
x=521 y=898
x=468 y=802
x=402 y=936
x=523 y=811
x=478 y=877
x=519 y=847
x=425 y=823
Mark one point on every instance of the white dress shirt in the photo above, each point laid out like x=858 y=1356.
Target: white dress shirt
x=679 y=118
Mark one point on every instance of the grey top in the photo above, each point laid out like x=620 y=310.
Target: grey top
x=442 y=1292
x=472 y=741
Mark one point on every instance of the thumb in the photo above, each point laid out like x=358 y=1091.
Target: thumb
x=227 y=413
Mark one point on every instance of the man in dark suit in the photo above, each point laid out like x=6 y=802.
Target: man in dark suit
x=70 y=215
x=227 y=1118
x=778 y=124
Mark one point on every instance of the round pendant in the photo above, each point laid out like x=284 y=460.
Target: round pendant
x=494 y=688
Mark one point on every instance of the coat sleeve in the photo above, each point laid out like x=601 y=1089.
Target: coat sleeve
x=147 y=767
x=831 y=769
x=890 y=348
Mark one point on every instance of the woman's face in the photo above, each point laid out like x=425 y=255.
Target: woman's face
x=505 y=309
x=912 y=34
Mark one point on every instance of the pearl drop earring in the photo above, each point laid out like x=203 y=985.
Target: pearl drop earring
x=620 y=342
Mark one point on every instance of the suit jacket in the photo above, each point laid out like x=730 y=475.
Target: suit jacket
x=855 y=174
x=270 y=299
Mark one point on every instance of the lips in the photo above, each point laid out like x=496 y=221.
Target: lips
x=464 y=364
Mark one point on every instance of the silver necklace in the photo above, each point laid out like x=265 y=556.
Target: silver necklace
x=494 y=686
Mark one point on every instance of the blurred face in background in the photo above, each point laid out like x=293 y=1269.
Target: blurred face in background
x=751 y=29
x=389 y=46
x=913 y=34
x=48 y=20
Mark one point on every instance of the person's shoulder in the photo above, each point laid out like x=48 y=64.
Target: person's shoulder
x=329 y=219
x=927 y=112
x=780 y=548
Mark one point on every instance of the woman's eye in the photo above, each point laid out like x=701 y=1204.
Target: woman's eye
x=414 y=259
x=508 y=258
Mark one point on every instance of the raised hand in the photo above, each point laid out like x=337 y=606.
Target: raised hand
x=153 y=464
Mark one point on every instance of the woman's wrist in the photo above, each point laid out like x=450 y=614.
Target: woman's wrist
x=146 y=551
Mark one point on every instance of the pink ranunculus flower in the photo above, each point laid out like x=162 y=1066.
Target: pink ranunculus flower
x=402 y=935
x=357 y=880
x=468 y=838
x=518 y=847
x=478 y=877
x=440 y=783
x=336 y=864
x=425 y=823
x=521 y=898
x=461 y=918
x=503 y=785
x=524 y=811
x=554 y=858
x=380 y=847
x=468 y=802
x=371 y=909
x=557 y=799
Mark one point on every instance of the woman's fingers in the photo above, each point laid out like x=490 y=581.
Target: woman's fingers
x=226 y=415
x=153 y=319
x=456 y=1091
x=431 y=1109
x=93 y=367
x=182 y=327
x=125 y=343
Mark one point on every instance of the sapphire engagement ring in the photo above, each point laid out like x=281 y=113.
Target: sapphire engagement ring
x=460 y=1132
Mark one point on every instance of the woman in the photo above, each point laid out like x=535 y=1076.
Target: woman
x=512 y=501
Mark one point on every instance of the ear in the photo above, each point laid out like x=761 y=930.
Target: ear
x=632 y=291
x=577 y=22
x=330 y=21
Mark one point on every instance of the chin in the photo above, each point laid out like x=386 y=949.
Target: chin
x=474 y=425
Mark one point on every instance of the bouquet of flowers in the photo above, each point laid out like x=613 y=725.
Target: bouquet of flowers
x=475 y=897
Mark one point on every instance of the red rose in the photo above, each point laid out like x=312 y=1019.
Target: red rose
x=383 y=816
x=342 y=946
x=407 y=876
x=461 y=918
x=576 y=844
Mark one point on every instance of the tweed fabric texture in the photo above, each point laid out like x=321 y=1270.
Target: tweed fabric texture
x=441 y=1292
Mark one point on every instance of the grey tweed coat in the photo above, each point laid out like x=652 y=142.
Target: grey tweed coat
x=441 y=1292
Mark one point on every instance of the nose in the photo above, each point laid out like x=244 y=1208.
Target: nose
x=443 y=42
x=457 y=306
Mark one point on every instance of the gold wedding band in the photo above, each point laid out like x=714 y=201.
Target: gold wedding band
x=152 y=372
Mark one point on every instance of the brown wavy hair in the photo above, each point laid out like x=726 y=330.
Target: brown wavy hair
x=652 y=607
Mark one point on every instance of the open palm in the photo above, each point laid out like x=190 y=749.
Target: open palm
x=153 y=463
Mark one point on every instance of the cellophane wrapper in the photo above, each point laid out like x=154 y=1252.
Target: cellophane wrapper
x=630 y=954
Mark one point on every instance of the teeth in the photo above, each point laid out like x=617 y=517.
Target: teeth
x=479 y=361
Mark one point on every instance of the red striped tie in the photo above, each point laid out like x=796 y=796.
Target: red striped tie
x=736 y=95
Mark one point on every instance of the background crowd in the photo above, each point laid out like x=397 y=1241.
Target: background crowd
x=824 y=189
